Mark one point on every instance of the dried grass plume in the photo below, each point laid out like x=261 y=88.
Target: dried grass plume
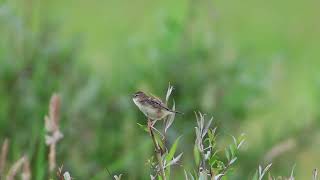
x=3 y=155
x=52 y=128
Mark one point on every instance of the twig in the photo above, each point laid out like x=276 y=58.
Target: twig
x=26 y=172
x=157 y=150
x=15 y=168
x=59 y=173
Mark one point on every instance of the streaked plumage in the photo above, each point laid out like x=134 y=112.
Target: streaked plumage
x=151 y=107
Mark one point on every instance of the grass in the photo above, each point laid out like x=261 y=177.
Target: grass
x=252 y=65
x=208 y=162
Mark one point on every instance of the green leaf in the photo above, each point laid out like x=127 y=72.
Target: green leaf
x=196 y=154
x=159 y=140
x=188 y=175
x=210 y=135
x=143 y=127
x=173 y=149
x=212 y=162
x=232 y=150
x=220 y=166
x=171 y=153
x=227 y=153
x=255 y=176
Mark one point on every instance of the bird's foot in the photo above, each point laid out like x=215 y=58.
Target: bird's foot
x=151 y=123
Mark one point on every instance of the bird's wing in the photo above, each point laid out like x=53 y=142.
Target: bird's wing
x=156 y=103
x=156 y=98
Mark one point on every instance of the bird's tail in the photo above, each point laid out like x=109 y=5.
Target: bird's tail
x=178 y=112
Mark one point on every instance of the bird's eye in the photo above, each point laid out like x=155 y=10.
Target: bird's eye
x=137 y=94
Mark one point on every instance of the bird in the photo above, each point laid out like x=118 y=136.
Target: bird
x=152 y=107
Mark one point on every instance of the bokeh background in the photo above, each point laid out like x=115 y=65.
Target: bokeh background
x=253 y=65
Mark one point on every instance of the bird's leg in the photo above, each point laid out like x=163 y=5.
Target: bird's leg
x=153 y=123
x=150 y=124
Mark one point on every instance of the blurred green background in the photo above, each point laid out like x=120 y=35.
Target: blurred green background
x=253 y=65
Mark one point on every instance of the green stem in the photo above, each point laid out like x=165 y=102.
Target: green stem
x=157 y=150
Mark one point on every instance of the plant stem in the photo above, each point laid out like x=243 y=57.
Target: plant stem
x=157 y=150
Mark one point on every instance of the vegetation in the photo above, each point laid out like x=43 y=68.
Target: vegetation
x=252 y=66
x=209 y=164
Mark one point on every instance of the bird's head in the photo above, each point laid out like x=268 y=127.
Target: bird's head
x=138 y=95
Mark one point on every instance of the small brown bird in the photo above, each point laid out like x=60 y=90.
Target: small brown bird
x=152 y=107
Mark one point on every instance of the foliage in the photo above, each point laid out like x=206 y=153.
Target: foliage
x=255 y=73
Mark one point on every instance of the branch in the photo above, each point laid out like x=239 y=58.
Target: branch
x=157 y=150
